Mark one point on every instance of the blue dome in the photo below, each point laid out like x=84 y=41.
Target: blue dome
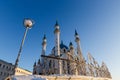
x=63 y=46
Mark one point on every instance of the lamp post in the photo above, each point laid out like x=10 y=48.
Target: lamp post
x=28 y=23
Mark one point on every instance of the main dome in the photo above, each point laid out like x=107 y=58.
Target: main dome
x=63 y=45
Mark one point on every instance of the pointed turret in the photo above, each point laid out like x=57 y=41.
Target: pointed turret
x=71 y=46
x=57 y=39
x=77 y=39
x=34 y=64
x=34 y=68
x=39 y=62
x=57 y=46
x=76 y=32
x=56 y=23
x=82 y=70
x=57 y=30
x=44 y=44
x=44 y=41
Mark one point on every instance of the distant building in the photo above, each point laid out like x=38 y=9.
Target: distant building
x=67 y=59
x=21 y=71
x=6 y=69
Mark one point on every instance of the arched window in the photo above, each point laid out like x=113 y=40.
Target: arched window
x=53 y=63
x=64 y=50
x=68 y=67
x=7 y=67
x=0 y=65
x=0 y=73
x=63 y=64
x=3 y=66
x=50 y=64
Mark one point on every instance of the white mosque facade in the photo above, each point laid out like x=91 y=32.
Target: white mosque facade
x=67 y=59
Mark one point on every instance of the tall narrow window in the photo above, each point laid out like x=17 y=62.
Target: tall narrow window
x=3 y=66
x=0 y=65
x=0 y=73
x=63 y=64
x=64 y=50
x=53 y=63
x=7 y=67
x=68 y=66
x=50 y=64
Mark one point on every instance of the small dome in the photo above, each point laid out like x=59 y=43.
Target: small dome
x=70 y=44
x=63 y=46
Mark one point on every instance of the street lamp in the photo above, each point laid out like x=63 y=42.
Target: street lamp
x=28 y=23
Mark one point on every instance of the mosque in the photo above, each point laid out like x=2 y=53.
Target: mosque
x=67 y=60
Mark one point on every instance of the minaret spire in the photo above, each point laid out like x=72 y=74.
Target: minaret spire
x=56 y=23
x=76 y=32
x=34 y=68
x=82 y=70
x=57 y=46
x=57 y=39
x=77 y=39
x=44 y=44
x=71 y=48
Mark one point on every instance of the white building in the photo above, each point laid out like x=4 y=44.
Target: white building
x=6 y=69
x=65 y=59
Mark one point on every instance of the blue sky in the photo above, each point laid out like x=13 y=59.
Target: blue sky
x=97 y=23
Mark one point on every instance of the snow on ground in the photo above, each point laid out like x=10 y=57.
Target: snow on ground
x=40 y=77
x=55 y=76
x=30 y=77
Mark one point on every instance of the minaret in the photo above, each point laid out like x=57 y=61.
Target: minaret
x=38 y=62
x=71 y=48
x=77 y=40
x=57 y=46
x=75 y=72
x=44 y=44
x=79 y=53
x=57 y=39
x=34 y=68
